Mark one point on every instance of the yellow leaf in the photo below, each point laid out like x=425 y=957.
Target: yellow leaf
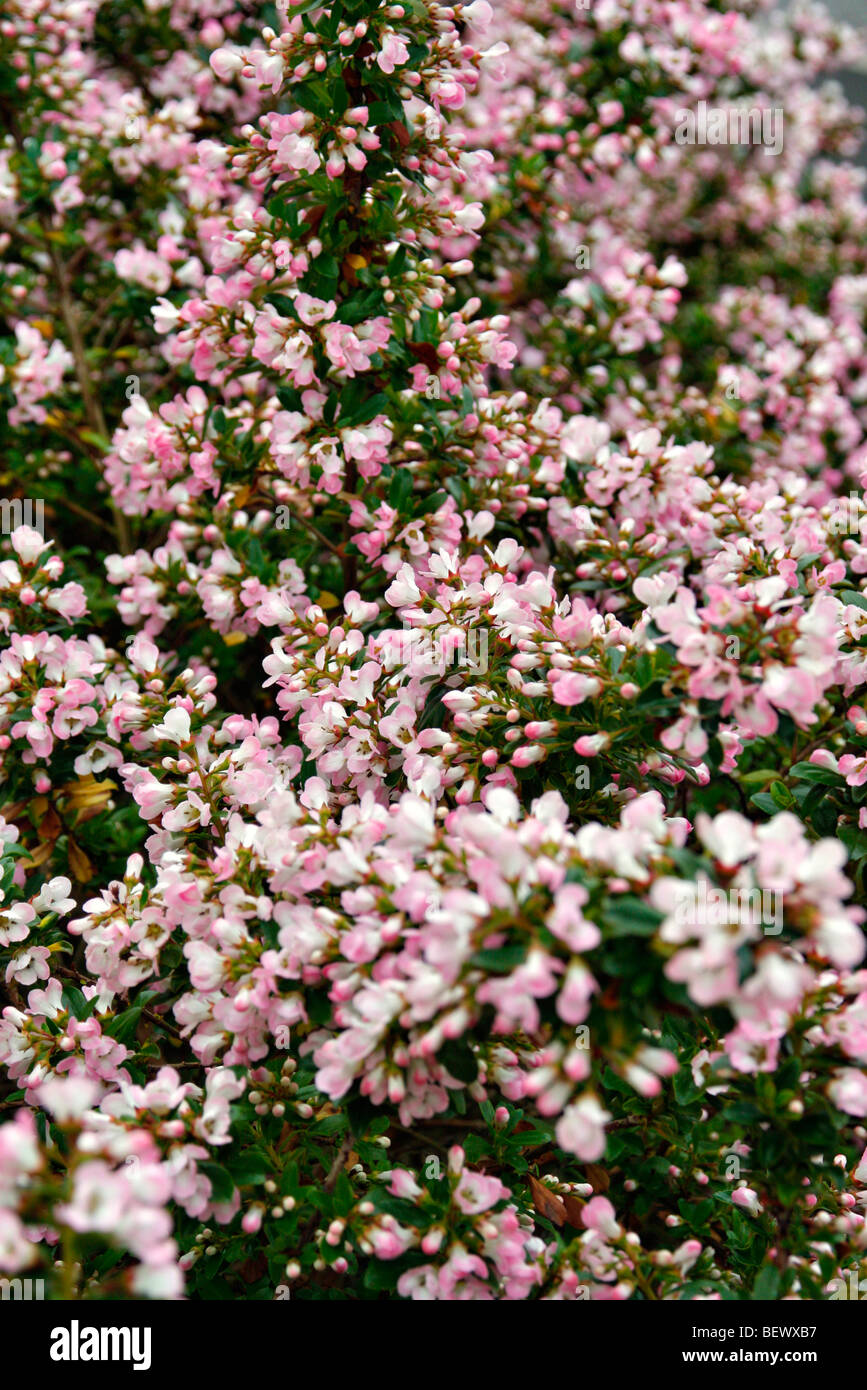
x=39 y=855
x=45 y=328
x=327 y=600
x=234 y=639
x=86 y=791
x=79 y=863
x=357 y=262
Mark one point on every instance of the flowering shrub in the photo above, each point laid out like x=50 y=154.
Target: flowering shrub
x=434 y=783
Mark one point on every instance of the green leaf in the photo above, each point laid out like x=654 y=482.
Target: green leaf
x=220 y=1179
x=283 y=305
x=781 y=796
x=807 y=560
x=459 y=1059
x=400 y=489
x=767 y=1285
x=812 y=772
x=363 y=305
x=685 y=1089
x=382 y=1275
x=854 y=839
x=290 y=399
x=429 y=504
x=360 y=1113
x=319 y=1007
x=76 y=1002
x=388 y=108
x=313 y=96
x=285 y=210
x=122 y=1027
x=321 y=279
x=249 y=1169
x=364 y=411
x=500 y=960
x=852 y=596
x=629 y=916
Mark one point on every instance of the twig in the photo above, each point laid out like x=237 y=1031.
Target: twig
x=92 y=404
x=333 y=1174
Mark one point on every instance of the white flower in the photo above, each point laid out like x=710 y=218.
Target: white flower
x=54 y=896
x=68 y=1097
x=728 y=836
x=165 y=315
x=403 y=588
x=27 y=543
x=143 y=654
x=226 y=64
x=175 y=727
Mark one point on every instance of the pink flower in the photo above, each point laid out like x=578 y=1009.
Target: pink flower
x=848 y=1091
x=581 y=1129
x=393 y=53
x=747 y=1200
x=572 y=688
x=476 y=1193
x=598 y=1215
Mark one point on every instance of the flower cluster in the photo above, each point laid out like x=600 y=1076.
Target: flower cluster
x=433 y=792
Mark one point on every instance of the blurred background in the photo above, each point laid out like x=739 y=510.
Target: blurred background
x=853 y=79
x=854 y=11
